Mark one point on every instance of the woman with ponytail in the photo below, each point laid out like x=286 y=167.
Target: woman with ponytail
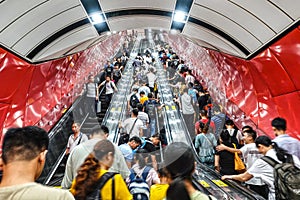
x=97 y=164
x=261 y=168
x=180 y=164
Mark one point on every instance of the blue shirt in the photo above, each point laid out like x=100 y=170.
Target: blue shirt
x=127 y=152
x=290 y=144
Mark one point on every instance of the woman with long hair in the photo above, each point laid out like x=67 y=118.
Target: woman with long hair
x=94 y=167
x=180 y=164
x=261 y=168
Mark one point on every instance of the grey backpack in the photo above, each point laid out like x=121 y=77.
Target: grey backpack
x=286 y=178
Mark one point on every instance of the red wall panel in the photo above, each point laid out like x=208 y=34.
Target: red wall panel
x=38 y=94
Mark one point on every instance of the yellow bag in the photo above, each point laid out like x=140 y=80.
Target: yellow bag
x=238 y=163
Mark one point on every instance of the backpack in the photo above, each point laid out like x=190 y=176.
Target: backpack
x=233 y=139
x=150 y=109
x=108 y=69
x=286 y=178
x=96 y=194
x=138 y=186
x=133 y=101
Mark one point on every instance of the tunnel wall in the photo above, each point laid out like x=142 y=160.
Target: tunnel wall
x=251 y=92
x=39 y=94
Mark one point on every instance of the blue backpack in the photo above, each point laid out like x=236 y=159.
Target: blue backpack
x=138 y=186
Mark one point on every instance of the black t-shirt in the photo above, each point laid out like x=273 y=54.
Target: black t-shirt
x=149 y=146
x=226 y=160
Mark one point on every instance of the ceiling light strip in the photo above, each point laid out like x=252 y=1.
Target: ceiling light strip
x=95 y=15
x=181 y=14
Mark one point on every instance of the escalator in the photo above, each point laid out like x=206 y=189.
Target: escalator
x=54 y=168
x=205 y=179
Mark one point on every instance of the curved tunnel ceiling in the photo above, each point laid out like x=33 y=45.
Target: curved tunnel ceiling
x=39 y=30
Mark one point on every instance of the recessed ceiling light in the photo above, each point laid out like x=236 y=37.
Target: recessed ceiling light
x=180 y=16
x=97 y=18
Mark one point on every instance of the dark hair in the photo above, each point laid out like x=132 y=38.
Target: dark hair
x=135 y=111
x=140 y=156
x=142 y=92
x=24 y=144
x=136 y=139
x=279 y=123
x=225 y=135
x=150 y=95
x=251 y=133
x=88 y=173
x=156 y=135
x=105 y=129
x=203 y=113
x=266 y=141
x=247 y=127
x=229 y=122
x=179 y=162
x=140 y=106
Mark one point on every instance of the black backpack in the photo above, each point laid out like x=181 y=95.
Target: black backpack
x=133 y=101
x=96 y=194
x=286 y=178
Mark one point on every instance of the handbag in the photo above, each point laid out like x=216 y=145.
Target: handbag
x=238 y=163
x=98 y=106
x=124 y=137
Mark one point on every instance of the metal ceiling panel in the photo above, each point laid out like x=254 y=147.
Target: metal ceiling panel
x=232 y=29
x=139 y=21
x=109 y=5
x=267 y=12
x=48 y=28
x=214 y=40
x=13 y=9
x=289 y=6
x=33 y=19
x=240 y=16
x=72 y=39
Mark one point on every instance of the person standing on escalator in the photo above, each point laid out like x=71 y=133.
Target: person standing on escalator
x=76 y=138
x=110 y=88
x=91 y=99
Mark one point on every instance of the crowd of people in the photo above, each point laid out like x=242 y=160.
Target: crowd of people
x=98 y=169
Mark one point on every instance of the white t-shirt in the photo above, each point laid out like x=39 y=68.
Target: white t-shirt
x=33 y=191
x=144 y=117
x=128 y=123
x=72 y=142
x=151 y=79
x=250 y=155
x=263 y=170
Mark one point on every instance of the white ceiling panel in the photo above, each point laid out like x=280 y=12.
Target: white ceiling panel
x=12 y=9
x=124 y=23
x=26 y=44
x=31 y=20
x=239 y=16
x=291 y=7
x=228 y=26
x=214 y=40
x=74 y=38
x=266 y=12
x=113 y=5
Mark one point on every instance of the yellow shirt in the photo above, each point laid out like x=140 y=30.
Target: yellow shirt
x=121 y=190
x=143 y=99
x=158 y=191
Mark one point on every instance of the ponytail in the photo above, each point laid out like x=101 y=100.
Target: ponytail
x=280 y=152
x=86 y=178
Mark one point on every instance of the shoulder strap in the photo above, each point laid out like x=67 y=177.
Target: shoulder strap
x=270 y=161
x=113 y=188
x=146 y=172
x=132 y=175
x=103 y=179
x=80 y=138
x=132 y=126
x=234 y=133
x=208 y=140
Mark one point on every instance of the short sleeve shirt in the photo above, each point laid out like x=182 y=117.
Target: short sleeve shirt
x=128 y=124
x=73 y=142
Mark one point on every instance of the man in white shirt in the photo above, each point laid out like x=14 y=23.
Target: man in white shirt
x=151 y=79
x=282 y=139
x=23 y=158
x=76 y=138
x=234 y=132
x=133 y=125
